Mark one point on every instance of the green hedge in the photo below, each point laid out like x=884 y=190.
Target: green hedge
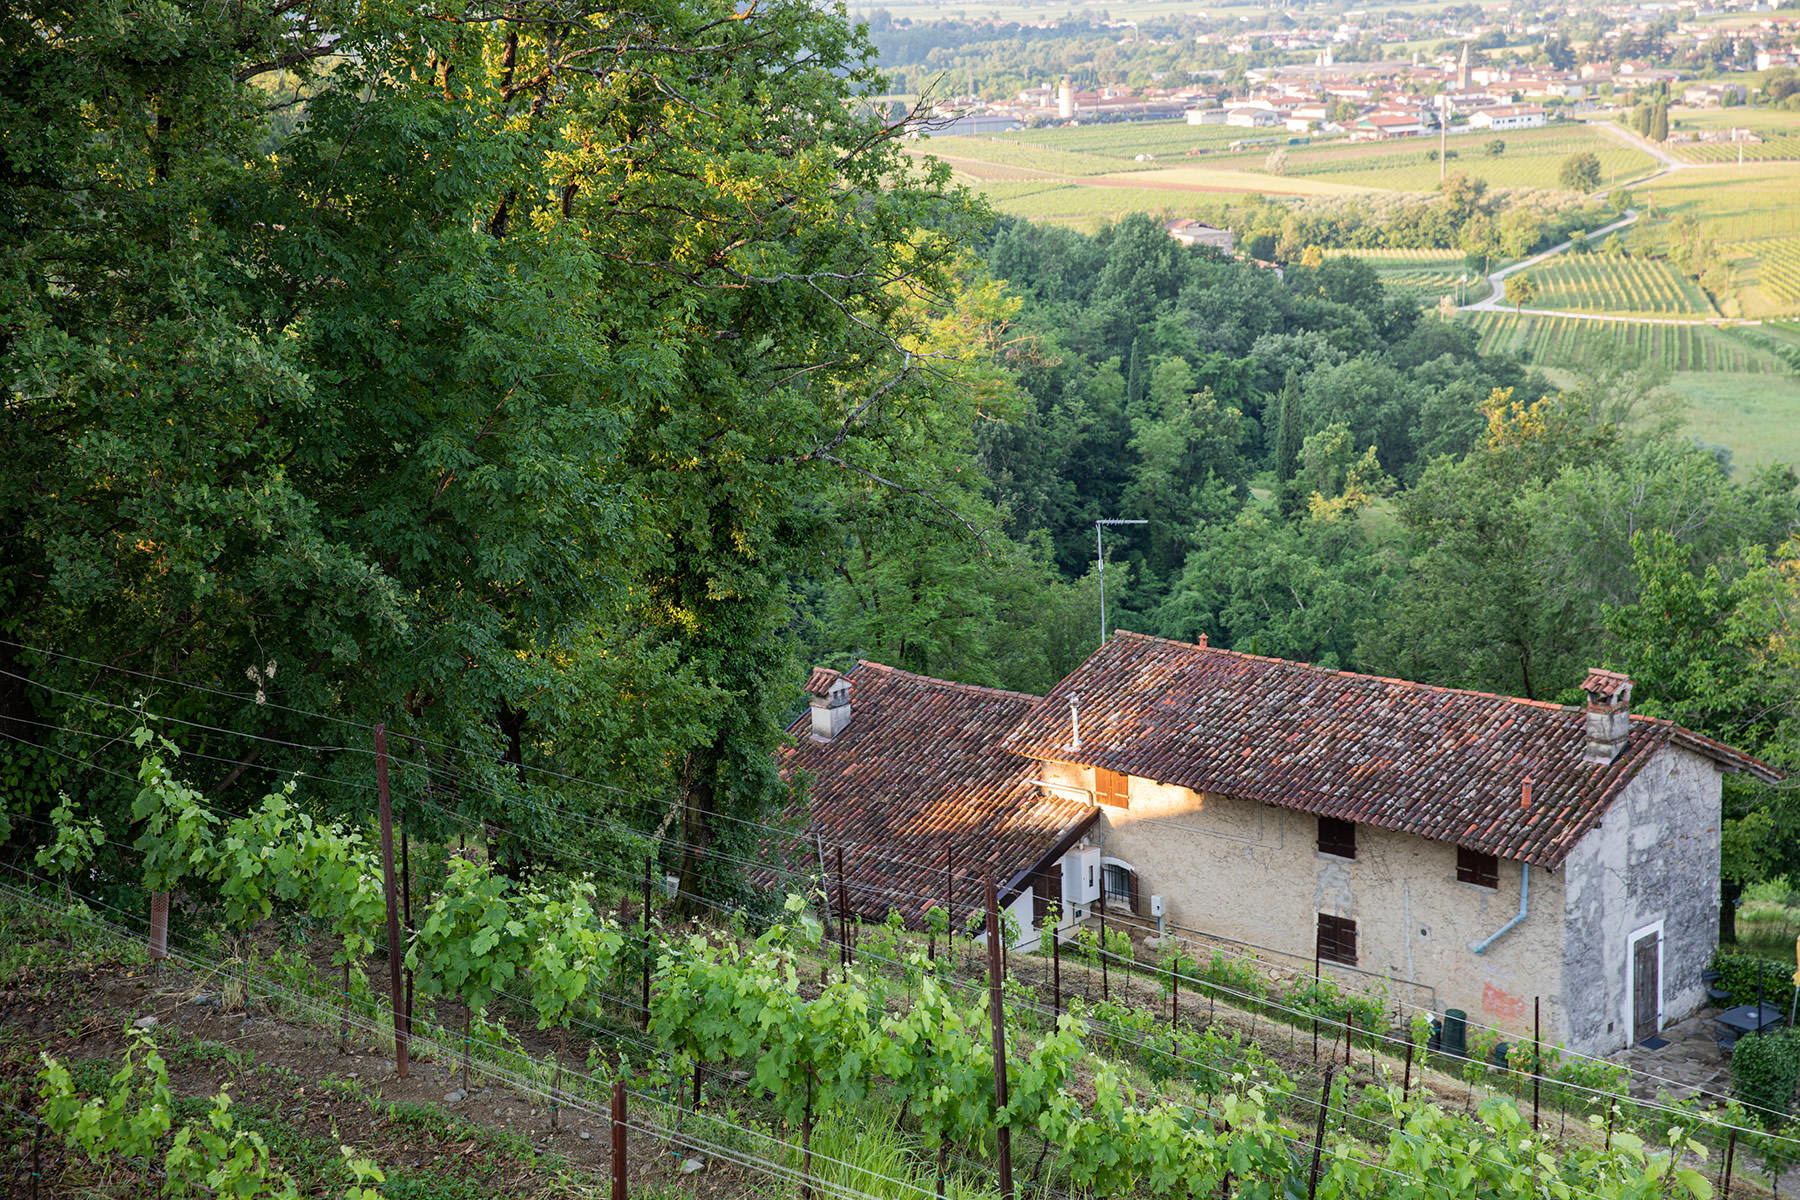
x=1737 y=973
x=1764 y=1069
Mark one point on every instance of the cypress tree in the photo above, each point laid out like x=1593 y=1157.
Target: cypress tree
x=1288 y=433
x=1134 y=378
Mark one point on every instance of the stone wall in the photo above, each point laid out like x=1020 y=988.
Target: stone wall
x=1252 y=872
x=1653 y=858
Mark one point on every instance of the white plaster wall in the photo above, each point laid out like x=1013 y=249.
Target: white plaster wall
x=1653 y=857
x=1252 y=872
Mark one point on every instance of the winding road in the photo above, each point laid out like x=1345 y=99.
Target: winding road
x=1495 y=301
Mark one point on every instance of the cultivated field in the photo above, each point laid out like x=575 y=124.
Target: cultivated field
x=1556 y=340
x=1779 y=129
x=1766 y=273
x=1605 y=283
x=1741 y=393
x=1533 y=158
x=1428 y=274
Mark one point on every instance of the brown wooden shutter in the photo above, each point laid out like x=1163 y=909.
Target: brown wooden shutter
x=1337 y=940
x=1132 y=883
x=1110 y=787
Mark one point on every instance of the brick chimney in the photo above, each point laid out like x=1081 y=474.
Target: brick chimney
x=1608 y=715
x=830 y=700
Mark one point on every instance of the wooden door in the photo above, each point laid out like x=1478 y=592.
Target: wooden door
x=1646 y=986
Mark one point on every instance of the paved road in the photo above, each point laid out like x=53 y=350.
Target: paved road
x=1637 y=141
x=1496 y=301
x=1497 y=279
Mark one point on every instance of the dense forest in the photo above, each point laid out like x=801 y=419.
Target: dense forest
x=552 y=388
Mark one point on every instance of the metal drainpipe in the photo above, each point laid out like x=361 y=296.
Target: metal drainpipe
x=1524 y=898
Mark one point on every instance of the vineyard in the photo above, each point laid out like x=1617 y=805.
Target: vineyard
x=1090 y=1071
x=1613 y=284
x=1778 y=130
x=1767 y=272
x=1532 y=159
x=1554 y=340
x=1426 y=274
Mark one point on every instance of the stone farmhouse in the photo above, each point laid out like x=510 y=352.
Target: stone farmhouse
x=1492 y=849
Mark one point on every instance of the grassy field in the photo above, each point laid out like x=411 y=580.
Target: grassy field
x=1533 y=158
x=1085 y=208
x=1605 y=283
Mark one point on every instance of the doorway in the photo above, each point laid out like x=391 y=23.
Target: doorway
x=1646 y=984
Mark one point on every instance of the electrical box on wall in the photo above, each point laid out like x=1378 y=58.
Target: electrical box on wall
x=1156 y=906
x=1080 y=877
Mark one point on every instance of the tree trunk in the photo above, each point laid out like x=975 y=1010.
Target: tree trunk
x=699 y=803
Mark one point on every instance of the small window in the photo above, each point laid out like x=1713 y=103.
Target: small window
x=1472 y=866
x=1110 y=787
x=1337 y=837
x=1118 y=886
x=1337 y=940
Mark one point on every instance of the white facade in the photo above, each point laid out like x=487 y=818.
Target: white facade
x=1508 y=118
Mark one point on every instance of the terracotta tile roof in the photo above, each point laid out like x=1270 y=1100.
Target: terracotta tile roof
x=919 y=770
x=821 y=680
x=1441 y=763
x=1605 y=684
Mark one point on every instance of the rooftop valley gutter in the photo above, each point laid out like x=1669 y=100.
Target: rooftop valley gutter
x=1524 y=897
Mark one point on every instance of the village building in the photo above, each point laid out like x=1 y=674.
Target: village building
x=1198 y=233
x=1517 y=116
x=1491 y=850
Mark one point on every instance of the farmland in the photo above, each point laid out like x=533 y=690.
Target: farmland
x=1533 y=158
x=1605 y=283
x=1553 y=340
x=1779 y=130
x=1428 y=274
x=1741 y=393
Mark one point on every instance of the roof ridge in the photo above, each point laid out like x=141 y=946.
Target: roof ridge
x=971 y=688
x=1410 y=683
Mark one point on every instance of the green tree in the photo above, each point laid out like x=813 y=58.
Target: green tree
x=1494 y=147
x=1580 y=172
x=1290 y=434
x=1519 y=289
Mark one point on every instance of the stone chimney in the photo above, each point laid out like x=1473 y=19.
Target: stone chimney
x=1065 y=99
x=1608 y=715
x=830 y=700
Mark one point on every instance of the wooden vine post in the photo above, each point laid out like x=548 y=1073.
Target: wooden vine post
x=396 y=995
x=1312 y=1179
x=1055 y=971
x=997 y=1006
x=618 y=1140
x=1537 y=1055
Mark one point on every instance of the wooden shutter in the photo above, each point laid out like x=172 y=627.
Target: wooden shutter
x=1131 y=883
x=1337 y=837
x=1472 y=866
x=1112 y=788
x=1337 y=940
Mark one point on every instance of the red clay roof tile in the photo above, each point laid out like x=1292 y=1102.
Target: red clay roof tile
x=918 y=772
x=1438 y=762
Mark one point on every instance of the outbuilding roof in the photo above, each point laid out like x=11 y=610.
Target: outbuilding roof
x=1441 y=763
x=919 y=774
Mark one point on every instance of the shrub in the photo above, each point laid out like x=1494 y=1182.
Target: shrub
x=1738 y=975
x=1764 y=1069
